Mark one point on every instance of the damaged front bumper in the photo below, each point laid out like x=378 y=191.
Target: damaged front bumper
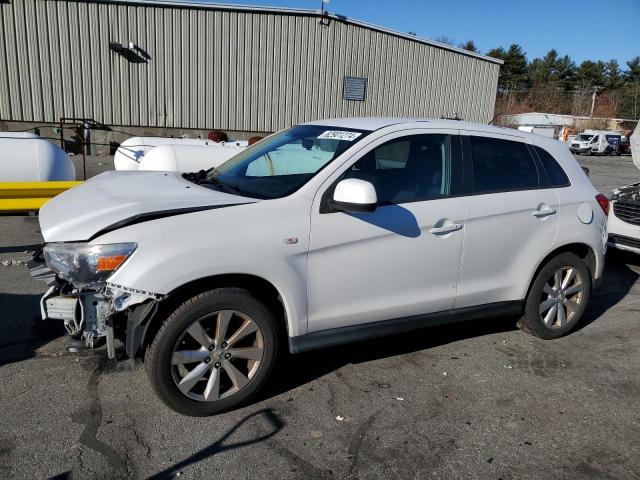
x=96 y=315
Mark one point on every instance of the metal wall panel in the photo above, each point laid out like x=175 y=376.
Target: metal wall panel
x=225 y=68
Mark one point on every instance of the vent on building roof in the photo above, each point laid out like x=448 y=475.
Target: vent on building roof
x=355 y=88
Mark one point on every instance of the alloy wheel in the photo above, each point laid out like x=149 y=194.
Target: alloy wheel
x=217 y=355
x=562 y=297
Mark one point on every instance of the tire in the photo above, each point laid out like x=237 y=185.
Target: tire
x=550 y=312
x=198 y=368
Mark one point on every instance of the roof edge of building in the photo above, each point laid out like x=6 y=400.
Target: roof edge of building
x=298 y=11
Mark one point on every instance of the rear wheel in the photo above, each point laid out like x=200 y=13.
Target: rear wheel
x=213 y=353
x=558 y=297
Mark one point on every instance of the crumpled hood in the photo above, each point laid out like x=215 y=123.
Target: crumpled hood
x=115 y=199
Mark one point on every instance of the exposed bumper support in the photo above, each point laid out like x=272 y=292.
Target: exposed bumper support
x=93 y=314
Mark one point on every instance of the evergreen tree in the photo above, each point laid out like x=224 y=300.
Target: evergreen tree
x=564 y=73
x=633 y=73
x=513 y=73
x=497 y=53
x=469 y=45
x=591 y=74
x=613 y=75
x=543 y=70
x=516 y=64
x=555 y=84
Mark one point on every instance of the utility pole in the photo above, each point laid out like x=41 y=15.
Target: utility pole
x=593 y=99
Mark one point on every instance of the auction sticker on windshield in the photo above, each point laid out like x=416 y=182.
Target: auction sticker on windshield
x=340 y=135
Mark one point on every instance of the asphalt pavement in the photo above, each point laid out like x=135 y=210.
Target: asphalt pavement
x=474 y=400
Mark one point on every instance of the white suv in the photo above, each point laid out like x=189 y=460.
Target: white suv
x=326 y=233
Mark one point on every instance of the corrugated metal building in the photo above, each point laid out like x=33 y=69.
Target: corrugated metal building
x=203 y=66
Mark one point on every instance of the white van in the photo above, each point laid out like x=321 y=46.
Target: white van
x=596 y=142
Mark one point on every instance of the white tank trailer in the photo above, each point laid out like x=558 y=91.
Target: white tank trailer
x=26 y=157
x=187 y=158
x=131 y=152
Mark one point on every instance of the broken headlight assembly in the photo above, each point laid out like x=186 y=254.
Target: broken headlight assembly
x=84 y=265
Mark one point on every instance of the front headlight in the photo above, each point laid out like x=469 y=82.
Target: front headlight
x=86 y=265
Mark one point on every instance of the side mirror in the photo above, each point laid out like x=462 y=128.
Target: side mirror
x=355 y=195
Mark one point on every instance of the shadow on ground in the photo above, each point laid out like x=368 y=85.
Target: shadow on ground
x=265 y=421
x=20 y=248
x=292 y=371
x=22 y=330
x=617 y=281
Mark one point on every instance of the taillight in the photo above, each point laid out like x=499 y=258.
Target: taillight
x=603 y=202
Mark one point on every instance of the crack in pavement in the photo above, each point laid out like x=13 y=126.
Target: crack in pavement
x=354 y=447
x=93 y=422
x=137 y=437
x=309 y=470
x=6 y=447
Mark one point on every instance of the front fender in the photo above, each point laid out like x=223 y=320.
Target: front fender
x=175 y=251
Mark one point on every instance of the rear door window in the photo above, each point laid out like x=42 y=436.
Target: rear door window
x=502 y=165
x=556 y=174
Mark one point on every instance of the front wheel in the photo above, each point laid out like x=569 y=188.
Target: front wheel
x=212 y=353
x=557 y=298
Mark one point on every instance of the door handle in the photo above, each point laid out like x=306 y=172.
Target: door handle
x=454 y=227
x=543 y=212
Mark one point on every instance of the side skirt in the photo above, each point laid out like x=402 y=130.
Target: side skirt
x=366 y=331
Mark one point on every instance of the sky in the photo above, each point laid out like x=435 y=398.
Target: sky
x=584 y=30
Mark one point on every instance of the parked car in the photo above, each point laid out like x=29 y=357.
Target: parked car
x=624 y=147
x=329 y=232
x=624 y=221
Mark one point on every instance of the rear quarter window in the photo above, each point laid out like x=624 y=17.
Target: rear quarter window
x=556 y=174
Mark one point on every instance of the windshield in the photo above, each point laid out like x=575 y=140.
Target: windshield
x=584 y=138
x=282 y=163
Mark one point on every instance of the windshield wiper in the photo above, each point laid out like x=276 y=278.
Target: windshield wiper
x=219 y=183
x=203 y=178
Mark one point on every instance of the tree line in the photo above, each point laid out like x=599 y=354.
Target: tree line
x=555 y=83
